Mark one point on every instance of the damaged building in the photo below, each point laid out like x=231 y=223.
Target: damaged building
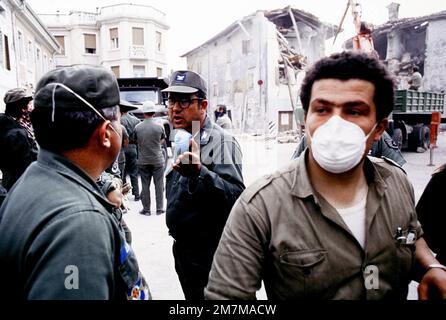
x=255 y=66
x=417 y=41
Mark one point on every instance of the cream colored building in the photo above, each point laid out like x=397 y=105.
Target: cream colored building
x=129 y=39
x=27 y=49
x=255 y=66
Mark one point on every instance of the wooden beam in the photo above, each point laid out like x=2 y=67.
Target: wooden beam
x=299 y=43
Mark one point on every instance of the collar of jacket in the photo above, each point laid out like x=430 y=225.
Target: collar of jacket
x=206 y=131
x=71 y=171
x=302 y=188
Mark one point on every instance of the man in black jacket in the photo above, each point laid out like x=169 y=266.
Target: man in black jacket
x=202 y=185
x=17 y=144
x=432 y=214
x=129 y=121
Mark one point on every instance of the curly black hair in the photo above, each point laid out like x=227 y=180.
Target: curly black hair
x=351 y=65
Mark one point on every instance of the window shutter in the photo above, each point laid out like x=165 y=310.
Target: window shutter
x=115 y=70
x=138 y=36
x=114 y=33
x=1 y=48
x=61 y=41
x=90 y=41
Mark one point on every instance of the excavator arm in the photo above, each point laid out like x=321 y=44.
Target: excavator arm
x=363 y=40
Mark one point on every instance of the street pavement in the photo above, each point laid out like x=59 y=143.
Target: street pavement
x=153 y=245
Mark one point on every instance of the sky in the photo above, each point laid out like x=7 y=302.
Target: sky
x=193 y=22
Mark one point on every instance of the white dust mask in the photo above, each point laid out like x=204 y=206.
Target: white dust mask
x=338 y=145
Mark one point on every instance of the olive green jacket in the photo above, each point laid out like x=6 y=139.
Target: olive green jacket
x=283 y=232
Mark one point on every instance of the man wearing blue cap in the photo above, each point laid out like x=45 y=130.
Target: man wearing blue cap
x=200 y=192
x=58 y=236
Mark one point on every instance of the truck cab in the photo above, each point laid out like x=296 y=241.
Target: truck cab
x=138 y=90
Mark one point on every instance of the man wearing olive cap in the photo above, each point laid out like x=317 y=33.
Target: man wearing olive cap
x=17 y=143
x=58 y=236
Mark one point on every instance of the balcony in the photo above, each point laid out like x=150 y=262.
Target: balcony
x=138 y=52
x=136 y=11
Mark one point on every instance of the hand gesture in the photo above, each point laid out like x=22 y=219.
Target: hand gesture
x=188 y=163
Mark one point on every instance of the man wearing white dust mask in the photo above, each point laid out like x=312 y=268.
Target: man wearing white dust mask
x=334 y=223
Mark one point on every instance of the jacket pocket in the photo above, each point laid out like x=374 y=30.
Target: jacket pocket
x=304 y=259
x=405 y=253
x=308 y=270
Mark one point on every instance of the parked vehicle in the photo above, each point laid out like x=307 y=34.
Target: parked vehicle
x=138 y=90
x=411 y=118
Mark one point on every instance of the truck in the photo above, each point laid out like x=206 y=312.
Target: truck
x=138 y=90
x=410 y=121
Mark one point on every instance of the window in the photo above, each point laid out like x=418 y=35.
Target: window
x=90 y=43
x=228 y=55
x=159 y=72
x=138 y=36
x=250 y=80
x=139 y=71
x=1 y=49
x=115 y=70
x=61 y=41
x=20 y=41
x=246 y=47
x=29 y=54
x=45 y=63
x=215 y=89
x=228 y=86
x=136 y=96
x=7 y=59
x=114 y=39
x=158 y=40
x=199 y=67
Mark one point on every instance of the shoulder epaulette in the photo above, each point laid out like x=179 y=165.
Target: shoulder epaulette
x=394 y=163
x=258 y=185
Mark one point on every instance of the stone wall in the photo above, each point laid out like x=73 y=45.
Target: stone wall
x=435 y=64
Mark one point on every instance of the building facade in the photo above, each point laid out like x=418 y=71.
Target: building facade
x=27 y=49
x=255 y=66
x=129 y=39
x=417 y=41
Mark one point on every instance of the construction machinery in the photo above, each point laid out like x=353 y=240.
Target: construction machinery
x=410 y=124
x=362 y=41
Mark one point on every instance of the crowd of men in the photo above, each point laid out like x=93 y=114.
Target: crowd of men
x=311 y=230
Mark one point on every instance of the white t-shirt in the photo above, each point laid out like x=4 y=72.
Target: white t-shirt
x=354 y=218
